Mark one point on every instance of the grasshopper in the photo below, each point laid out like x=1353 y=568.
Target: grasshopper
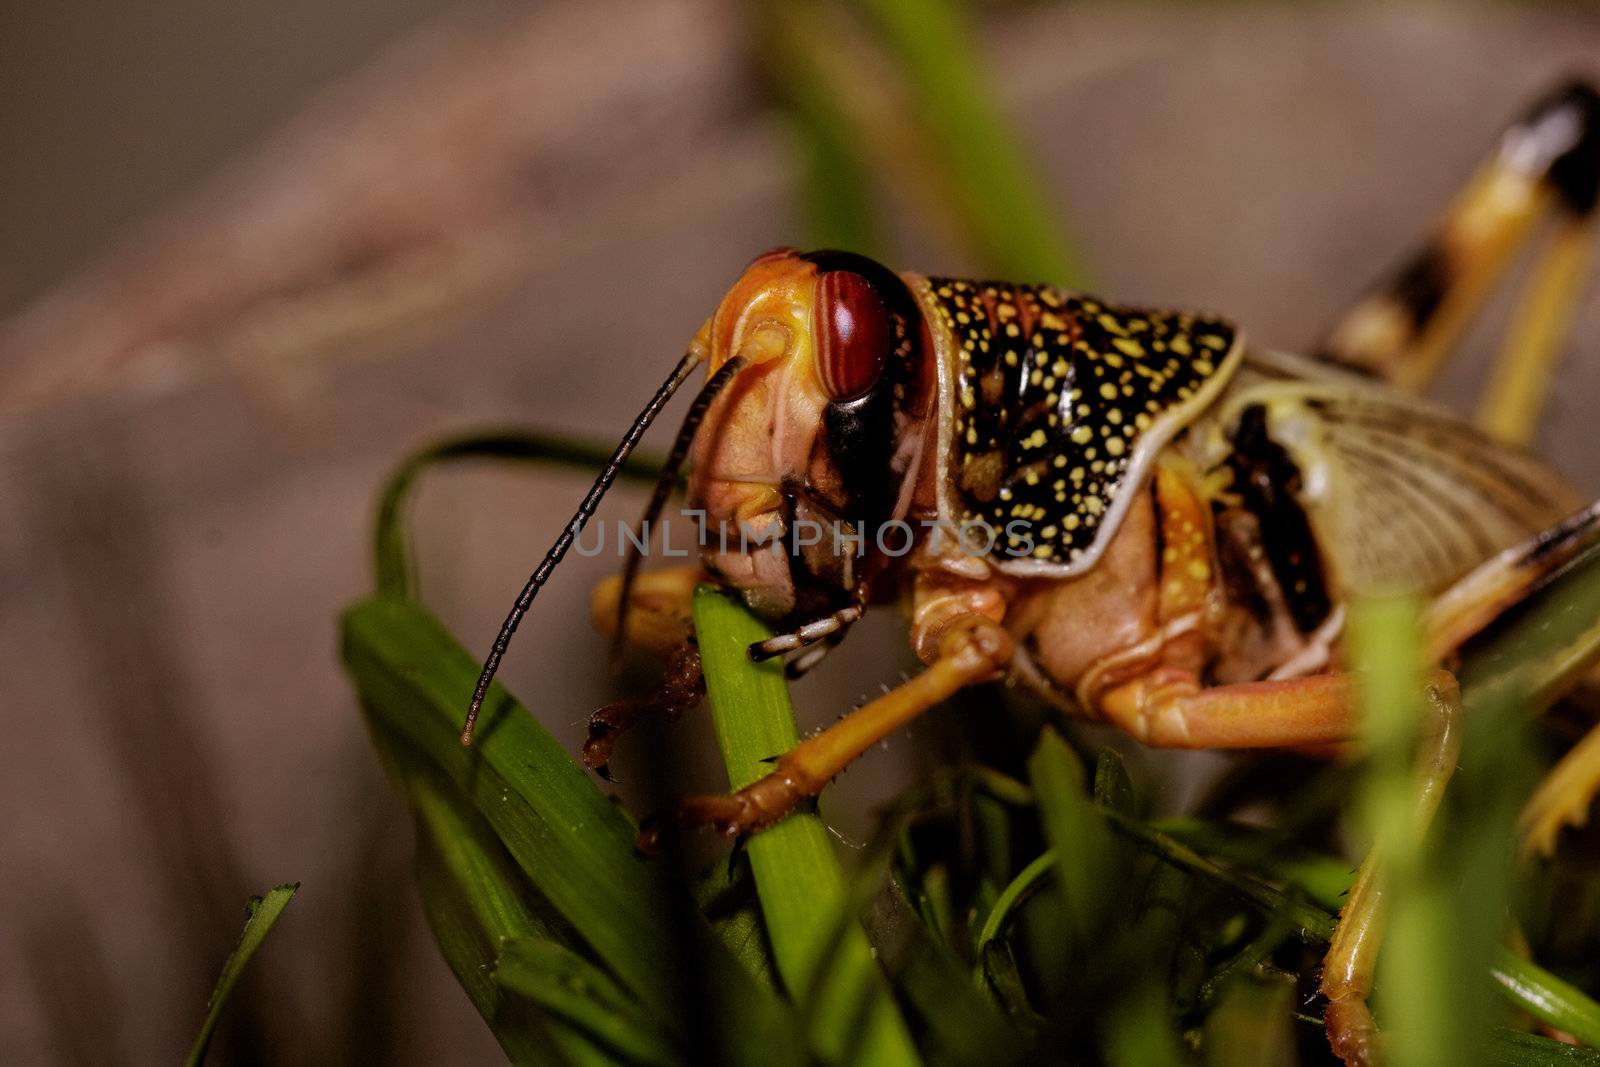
x=1156 y=523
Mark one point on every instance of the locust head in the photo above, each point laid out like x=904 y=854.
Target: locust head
x=812 y=441
x=805 y=440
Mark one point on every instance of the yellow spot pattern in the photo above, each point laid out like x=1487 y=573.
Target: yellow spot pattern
x=1072 y=381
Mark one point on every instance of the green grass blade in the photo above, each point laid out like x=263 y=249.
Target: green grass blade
x=260 y=915
x=1420 y=982
x=798 y=876
x=474 y=899
x=1546 y=997
x=1139 y=1032
x=394 y=560
x=1078 y=835
x=727 y=897
x=572 y=843
x=1522 y=983
x=1011 y=897
x=1009 y=220
x=836 y=178
x=955 y=1023
x=1112 y=787
x=1325 y=879
x=574 y=991
x=1508 y=1048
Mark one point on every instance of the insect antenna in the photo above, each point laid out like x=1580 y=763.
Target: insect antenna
x=664 y=486
x=585 y=511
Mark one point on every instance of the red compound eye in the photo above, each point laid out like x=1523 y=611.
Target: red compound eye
x=851 y=327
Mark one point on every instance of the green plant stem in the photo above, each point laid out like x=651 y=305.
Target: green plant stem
x=798 y=876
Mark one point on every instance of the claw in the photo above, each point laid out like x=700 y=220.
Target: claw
x=602 y=740
x=736 y=853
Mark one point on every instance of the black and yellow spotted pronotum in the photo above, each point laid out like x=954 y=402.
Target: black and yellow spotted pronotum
x=1062 y=399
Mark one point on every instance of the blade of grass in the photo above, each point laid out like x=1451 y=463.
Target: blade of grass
x=1139 y=1032
x=1077 y=833
x=394 y=561
x=798 y=875
x=473 y=899
x=572 y=843
x=1523 y=983
x=1011 y=897
x=954 y=1023
x=570 y=988
x=1546 y=997
x=1448 y=890
x=835 y=177
x=1112 y=787
x=726 y=894
x=1008 y=217
x=261 y=913
x=1420 y=982
x=1005 y=978
x=1508 y=1048
x=1325 y=879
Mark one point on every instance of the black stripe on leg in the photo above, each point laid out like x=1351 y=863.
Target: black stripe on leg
x=1422 y=284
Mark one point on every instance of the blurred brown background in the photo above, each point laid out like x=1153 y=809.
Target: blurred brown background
x=252 y=254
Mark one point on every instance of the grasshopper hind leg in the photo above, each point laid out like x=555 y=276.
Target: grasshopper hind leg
x=1546 y=167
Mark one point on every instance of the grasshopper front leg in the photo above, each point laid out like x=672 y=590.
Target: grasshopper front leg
x=660 y=620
